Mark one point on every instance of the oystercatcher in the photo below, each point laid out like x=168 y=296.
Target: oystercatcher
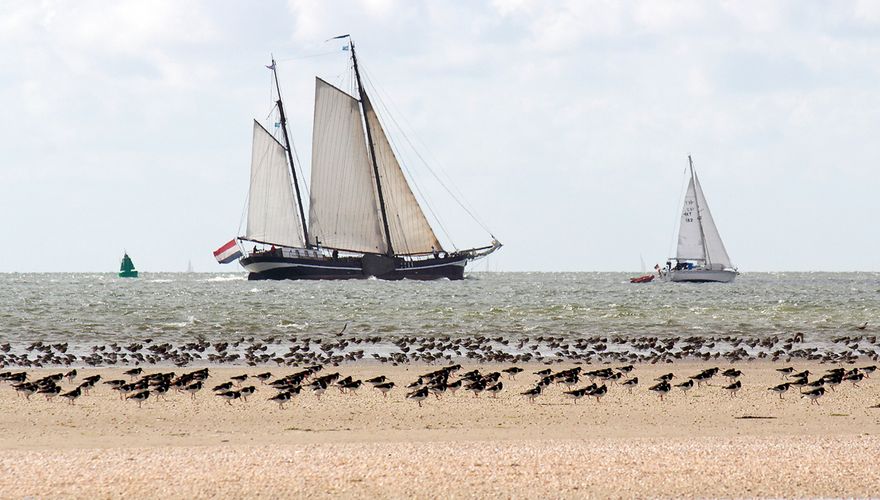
x=281 y=398
x=733 y=388
x=814 y=395
x=780 y=389
x=631 y=383
x=384 y=388
x=495 y=389
x=532 y=393
x=72 y=395
x=418 y=396
x=229 y=396
x=140 y=397
x=247 y=391
x=686 y=386
x=662 y=388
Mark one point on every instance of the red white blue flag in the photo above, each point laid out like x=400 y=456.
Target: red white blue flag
x=227 y=253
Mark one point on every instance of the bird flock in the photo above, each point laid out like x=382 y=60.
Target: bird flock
x=573 y=383
x=336 y=350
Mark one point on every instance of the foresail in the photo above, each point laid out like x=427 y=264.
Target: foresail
x=690 y=243
x=410 y=231
x=272 y=215
x=715 y=252
x=343 y=212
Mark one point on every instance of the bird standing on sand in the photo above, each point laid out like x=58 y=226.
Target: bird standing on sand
x=140 y=397
x=686 y=386
x=780 y=389
x=72 y=395
x=733 y=388
x=814 y=395
x=281 y=398
x=662 y=388
x=418 y=396
x=229 y=396
x=631 y=384
x=192 y=389
x=532 y=393
x=788 y=370
x=384 y=388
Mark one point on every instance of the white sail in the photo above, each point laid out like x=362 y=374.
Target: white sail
x=690 y=241
x=344 y=209
x=272 y=214
x=716 y=254
x=698 y=237
x=410 y=231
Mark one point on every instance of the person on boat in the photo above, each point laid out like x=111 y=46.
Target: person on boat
x=434 y=251
x=335 y=254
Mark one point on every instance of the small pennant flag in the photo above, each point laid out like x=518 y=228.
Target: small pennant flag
x=227 y=253
x=271 y=66
x=345 y=47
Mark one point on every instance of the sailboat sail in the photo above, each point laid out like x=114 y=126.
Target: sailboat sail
x=343 y=212
x=410 y=231
x=272 y=217
x=716 y=254
x=698 y=237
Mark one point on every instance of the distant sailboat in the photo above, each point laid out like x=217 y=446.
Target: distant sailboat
x=363 y=219
x=701 y=256
x=189 y=266
x=126 y=268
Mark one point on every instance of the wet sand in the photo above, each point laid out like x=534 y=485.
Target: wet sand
x=704 y=443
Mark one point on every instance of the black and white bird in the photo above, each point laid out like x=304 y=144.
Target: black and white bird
x=72 y=395
x=788 y=370
x=384 y=388
x=418 y=395
x=70 y=375
x=814 y=395
x=732 y=374
x=247 y=391
x=599 y=392
x=733 y=388
x=495 y=389
x=134 y=372
x=222 y=387
x=229 y=396
x=662 y=389
x=665 y=378
x=377 y=380
x=575 y=394
x=686 y=385
x=140 y=397
x=631 y=384
x=512 y=371
x=192 y=389
x=281 y=398
x=780 y=389
x=532 y=393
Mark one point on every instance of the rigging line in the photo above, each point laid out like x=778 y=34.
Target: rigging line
x=458 y=196
x=298 y=165
x=422 y=194
x=406 y=168
x=460 y=199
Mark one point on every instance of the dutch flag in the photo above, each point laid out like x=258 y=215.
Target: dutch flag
x=227 y=253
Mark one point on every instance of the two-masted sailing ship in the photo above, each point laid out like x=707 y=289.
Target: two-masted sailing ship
x=363 y=219
x=700 y=256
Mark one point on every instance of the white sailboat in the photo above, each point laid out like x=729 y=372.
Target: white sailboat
x=701 y=256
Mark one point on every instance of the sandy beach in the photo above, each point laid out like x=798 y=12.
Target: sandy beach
x=703 y=443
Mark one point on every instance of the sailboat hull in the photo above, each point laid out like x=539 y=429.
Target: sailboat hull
x=700 y=276
x=273 y=267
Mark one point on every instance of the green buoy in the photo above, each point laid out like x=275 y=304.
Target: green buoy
x=127 y=270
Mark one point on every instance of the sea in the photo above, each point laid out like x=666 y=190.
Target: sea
x=87 y=309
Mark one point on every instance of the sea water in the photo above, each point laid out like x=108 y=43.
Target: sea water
x=87 y=309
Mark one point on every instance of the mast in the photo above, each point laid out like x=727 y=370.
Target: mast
x=362 y=94
x=302 y=214
x=699 y=213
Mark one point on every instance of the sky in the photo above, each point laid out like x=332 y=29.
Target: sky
x=564 y=125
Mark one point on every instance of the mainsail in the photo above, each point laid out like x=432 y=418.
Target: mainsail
x=410 y=231
x=272 y=216
x=343 y=212
x=698 y=237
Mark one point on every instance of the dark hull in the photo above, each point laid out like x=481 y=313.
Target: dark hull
x=273 y=267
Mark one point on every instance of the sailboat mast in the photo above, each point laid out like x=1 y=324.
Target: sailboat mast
x=362 y=94
x=699 y=213
x=302 y=214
